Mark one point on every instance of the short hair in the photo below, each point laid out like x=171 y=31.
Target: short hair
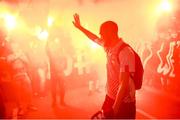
x=109 y=27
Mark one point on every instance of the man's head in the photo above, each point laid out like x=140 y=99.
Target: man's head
x=109 y=31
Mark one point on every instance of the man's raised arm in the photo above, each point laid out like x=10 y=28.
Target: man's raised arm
x=89 y=34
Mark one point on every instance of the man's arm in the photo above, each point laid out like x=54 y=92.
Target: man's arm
x=127 y=67
x=124 y=81
x=89 y=34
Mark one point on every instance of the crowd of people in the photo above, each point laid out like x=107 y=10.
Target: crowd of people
x=43 y=68
x=36 y=73
x=161 y=57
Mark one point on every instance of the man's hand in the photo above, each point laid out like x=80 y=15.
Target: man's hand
x=109 y=113
x=88 y=33
x=76 y=21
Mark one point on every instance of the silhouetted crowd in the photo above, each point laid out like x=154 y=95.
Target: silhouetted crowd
x=42 y=69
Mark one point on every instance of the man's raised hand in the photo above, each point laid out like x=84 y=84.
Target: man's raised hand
x=76 y=21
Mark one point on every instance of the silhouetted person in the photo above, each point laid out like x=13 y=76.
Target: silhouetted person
x=19 y=63
x=120 y=88
x=57 y=63
x=4 y=72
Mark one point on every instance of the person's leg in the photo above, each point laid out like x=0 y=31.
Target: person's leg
x=42 y=78
x=2 y=105
x=28 y=93
x=31 y=77
x=35 y=81
x=15 y=88
x=61 y=90
x=20 y=92
x=53 y=89
x=46 y=82
x=90 y=86
x=127 y=111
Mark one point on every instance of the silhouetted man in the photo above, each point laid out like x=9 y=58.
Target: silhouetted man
x=120 y=88
x=4 y=71
x=19 y=63
x=57 y=62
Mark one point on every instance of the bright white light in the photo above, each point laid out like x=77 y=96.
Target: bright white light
x=50 y=21
x=165 y=6
x=93 y=45
x=43 y=35
x=10 y=21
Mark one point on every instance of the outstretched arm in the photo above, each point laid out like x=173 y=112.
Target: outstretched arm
x=89 y=34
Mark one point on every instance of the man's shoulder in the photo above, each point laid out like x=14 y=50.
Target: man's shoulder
x=126 y=51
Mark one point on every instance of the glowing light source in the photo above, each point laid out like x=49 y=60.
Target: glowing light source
x=10 y=21
x=50 y=21
x=43 y=35
x=165 y=6
x=93 y=45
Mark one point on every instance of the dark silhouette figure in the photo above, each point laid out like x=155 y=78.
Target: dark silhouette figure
x=57 y=62
x=4 y=71
x=120 y=88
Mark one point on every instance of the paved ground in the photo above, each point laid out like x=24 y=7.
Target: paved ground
x=156 y=104
x=80 y=105
x=150 y=105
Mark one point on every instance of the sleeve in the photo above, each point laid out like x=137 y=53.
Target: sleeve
x=99 y=41
x=127 y=58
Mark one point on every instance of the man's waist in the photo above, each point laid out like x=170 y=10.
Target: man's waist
x=126 y=99
x=112 y=100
